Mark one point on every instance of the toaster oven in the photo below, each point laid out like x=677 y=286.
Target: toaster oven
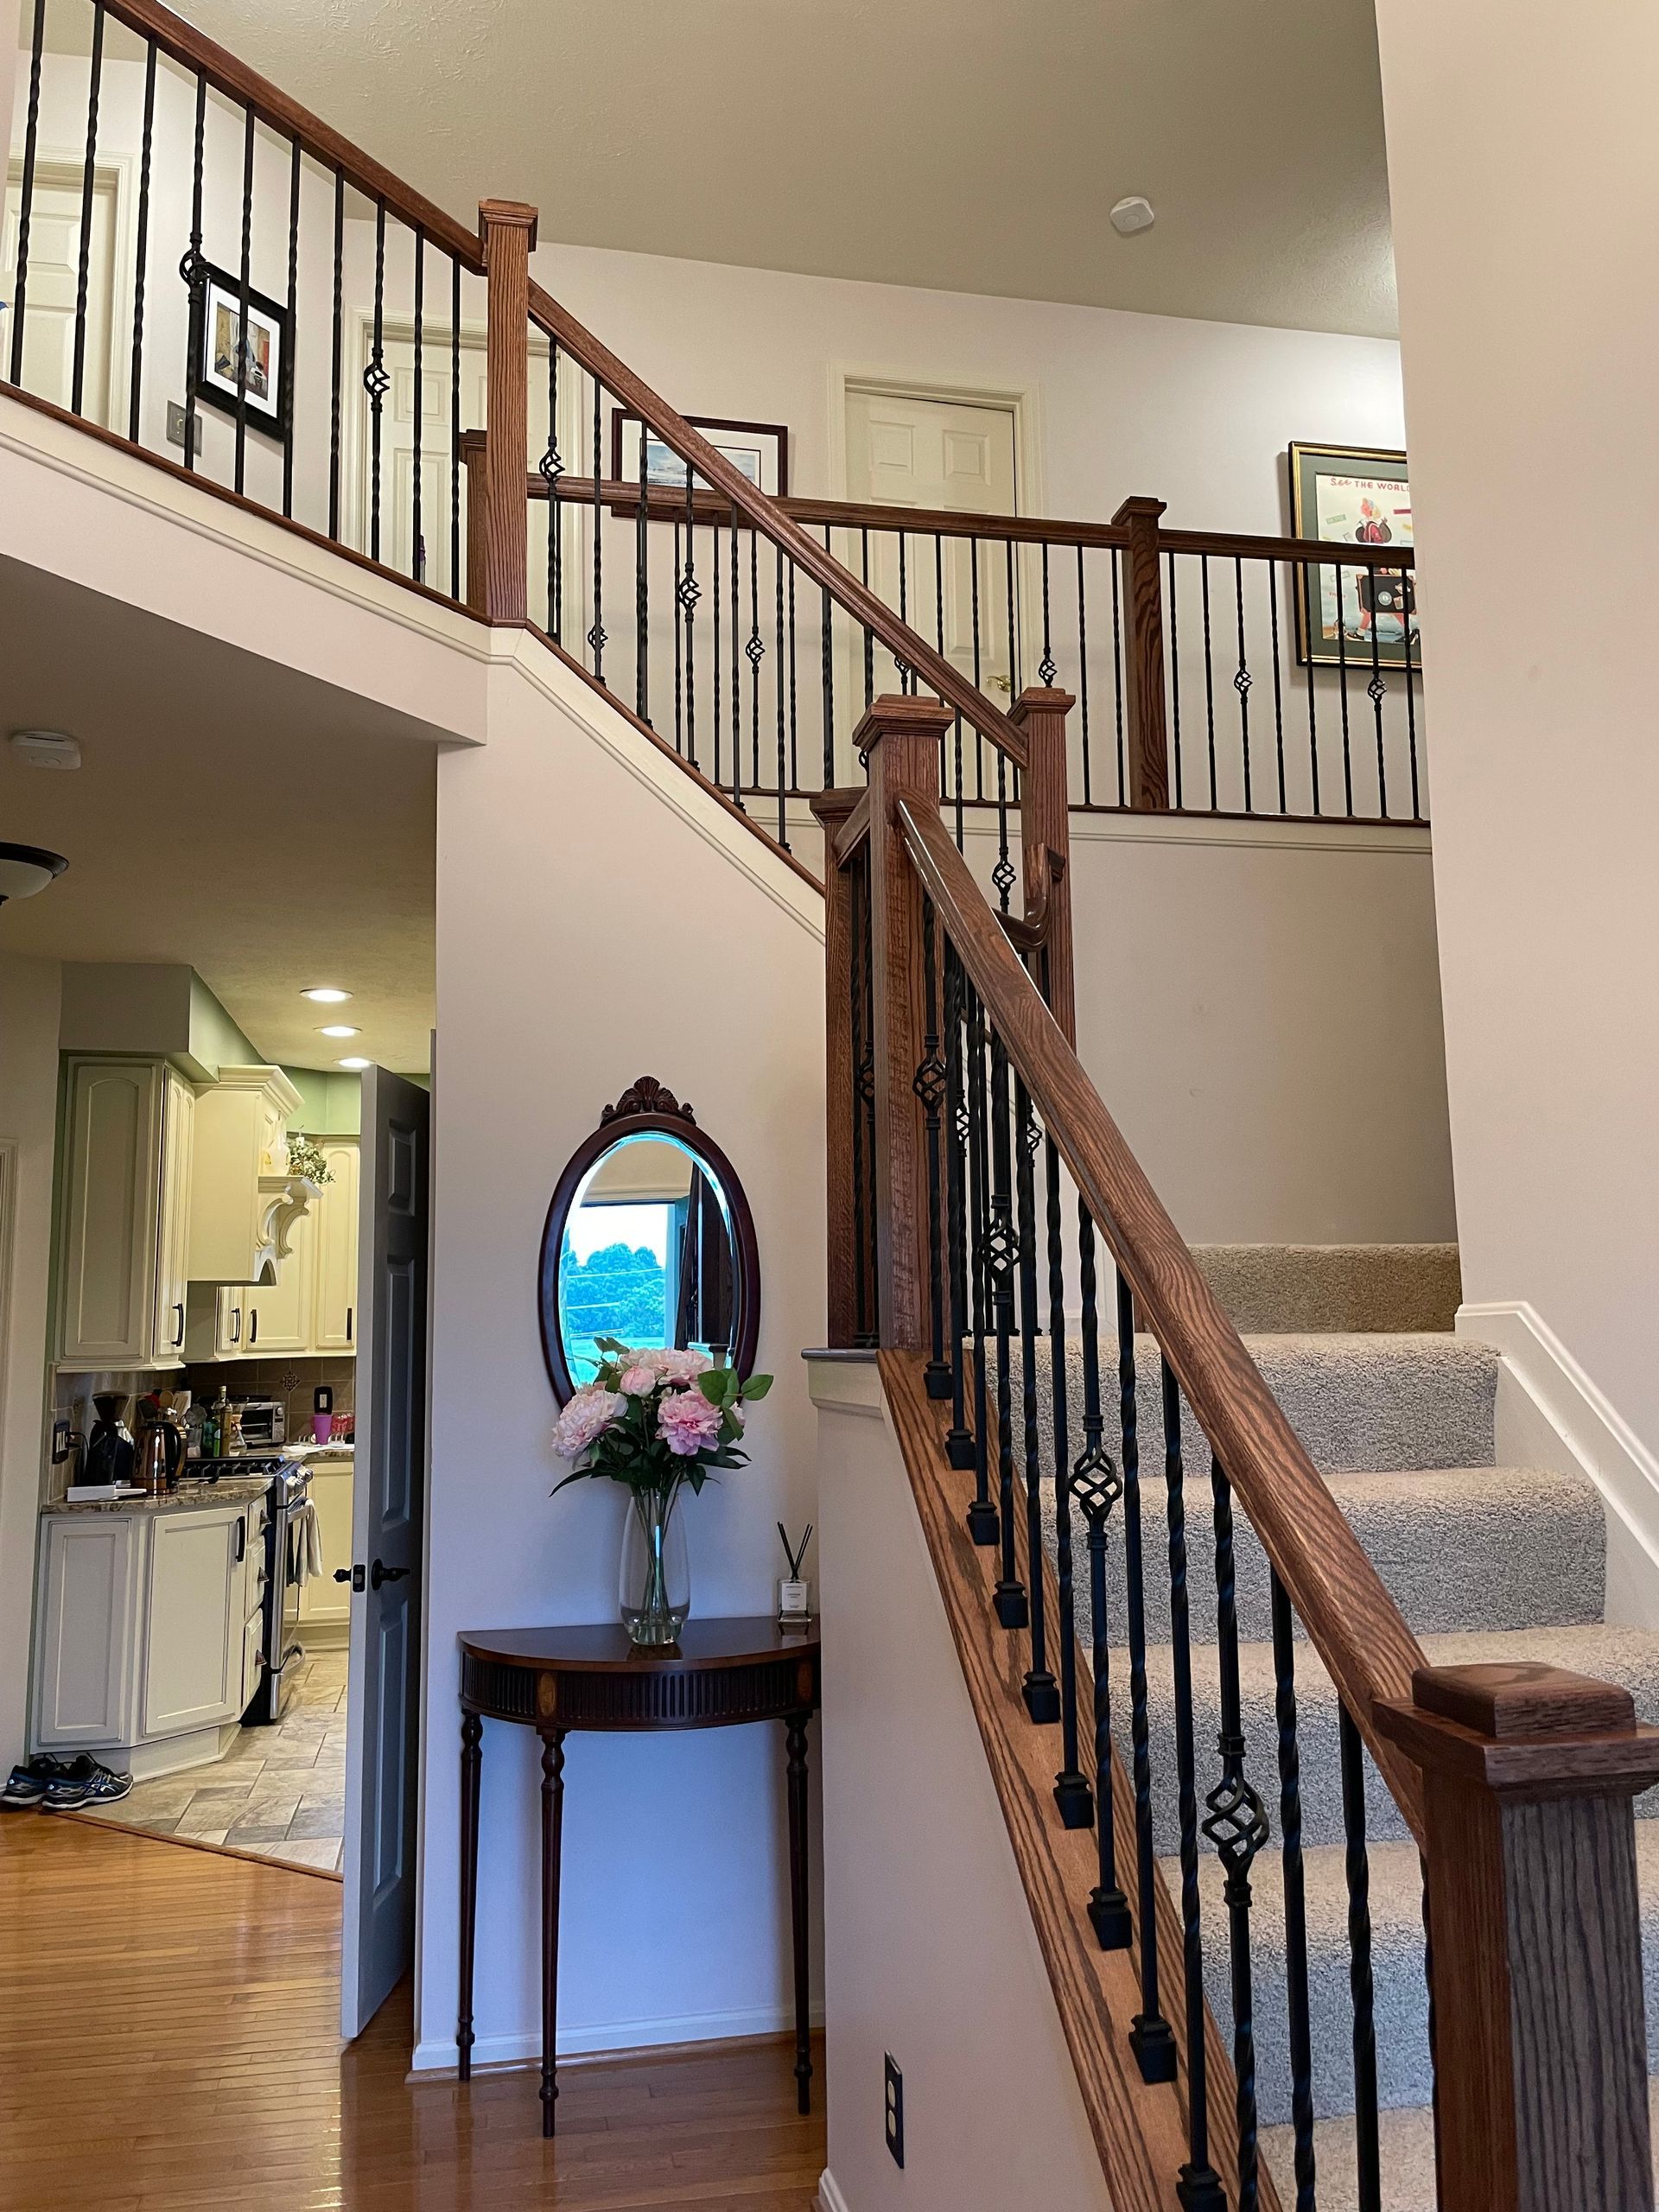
x=264 y=1423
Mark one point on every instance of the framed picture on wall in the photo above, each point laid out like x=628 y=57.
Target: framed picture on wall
x=1354 y=495
x=757 y=450
x=261 y=344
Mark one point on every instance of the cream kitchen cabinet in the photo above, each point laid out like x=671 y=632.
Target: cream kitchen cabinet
x=326 y=1604
x=334 y=1233
x=243 y=1201
x=311 y=1307
x=144 y=1651
x=129 y=1128
x=279 y=1316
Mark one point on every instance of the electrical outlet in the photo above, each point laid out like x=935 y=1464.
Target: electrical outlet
x=61 y=1447
x=895 y=2110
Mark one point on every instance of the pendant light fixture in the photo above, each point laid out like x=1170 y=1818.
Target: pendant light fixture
x=25 y=869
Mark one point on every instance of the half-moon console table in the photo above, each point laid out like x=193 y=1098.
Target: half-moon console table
x=721 y=1674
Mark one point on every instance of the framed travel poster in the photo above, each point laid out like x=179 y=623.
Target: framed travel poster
x=262 y=344
x=1354 y=496
x=757 y=450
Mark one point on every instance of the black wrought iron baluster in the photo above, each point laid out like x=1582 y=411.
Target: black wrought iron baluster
x=1407 y=609
x=642 y=592
x=1003 y=875
x=1097 y=1485
x=596 y=635
x=1237 y=1825
x=1039 y=1690
x=1047 y=668
x=243 y=304
x=1072 y=1795
x=1342 y=689
x=1117 y=671
x=778 y=695
x=456 y=589
x=906 y=674
x=1209 y=674
x=1009 y=589
x=88 y=189
x=26 y=203
x=794 y=709
x=1278 y=693
x=679 y=666
x=929 y=1084
x=979 y=735
x=140 y=251
x=1199 y=2188
x=1082 y=684
x=1242 y=683
x=289 y=394
x=1151 y=2038
x=983 y=1524
x=1175 y=681
x=1376 y=690
x=959 y=1442
x=338 y=358
x=1367 y=2145
x=737 y=669
x=687 y=592
x=829 y=680
x=869 y=635
x=717 y=572
x=193 y=269
x=551 y=470
x=1298 y=2006
x=1312 y=593
x=1002 y=1255
x=859 y=901
x=377 y=382
x=754 y=651
x=417 y=548
x=866 y=1098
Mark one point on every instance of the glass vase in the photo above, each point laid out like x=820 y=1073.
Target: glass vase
x=654 y=1582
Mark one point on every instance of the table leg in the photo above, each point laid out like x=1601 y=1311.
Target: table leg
x=552 y=1845
x=472 y=1760
x=795 y=1737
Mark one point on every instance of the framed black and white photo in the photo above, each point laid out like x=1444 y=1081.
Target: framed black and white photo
x=1354 y=495
x=759 y=451
x=254 y=355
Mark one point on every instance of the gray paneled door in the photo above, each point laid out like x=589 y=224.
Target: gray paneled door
x=387 y=1548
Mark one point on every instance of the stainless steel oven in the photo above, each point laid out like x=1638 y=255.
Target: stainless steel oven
x=287 y=1495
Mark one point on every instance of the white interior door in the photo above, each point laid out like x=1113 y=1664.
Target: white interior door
x=54 y=284
x=388 y=1495
x=907 y=449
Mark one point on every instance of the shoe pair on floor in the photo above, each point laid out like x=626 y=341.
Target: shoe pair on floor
x=63 y=1785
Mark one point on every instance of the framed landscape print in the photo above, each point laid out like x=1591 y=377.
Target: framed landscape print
x=1353 y=495
x=262 y=344
x=758 y=450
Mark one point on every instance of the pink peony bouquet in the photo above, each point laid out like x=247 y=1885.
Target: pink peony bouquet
x=653 y=1418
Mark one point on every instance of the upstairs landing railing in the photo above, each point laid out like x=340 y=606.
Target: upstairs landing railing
x=987 y=1221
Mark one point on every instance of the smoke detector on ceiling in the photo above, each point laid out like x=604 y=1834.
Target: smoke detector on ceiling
x=1132 y=215
x=45 y=748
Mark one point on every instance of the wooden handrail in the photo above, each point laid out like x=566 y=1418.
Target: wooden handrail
x=770 y=517
x=222 y=70
x=1355 y=1625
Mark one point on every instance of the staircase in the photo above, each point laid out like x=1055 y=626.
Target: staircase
x=1488 y=1563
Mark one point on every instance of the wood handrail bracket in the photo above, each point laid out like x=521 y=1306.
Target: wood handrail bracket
x=1356 y=1627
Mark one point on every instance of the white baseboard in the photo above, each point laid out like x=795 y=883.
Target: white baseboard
x=519 y=2047
x=829 y=2196
x=1550 y=1414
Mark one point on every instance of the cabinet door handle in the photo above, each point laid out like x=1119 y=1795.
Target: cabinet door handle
x=351 y=1314
x=236 y=1325
x=178 y=1325
x=241 y=1537
x=253 y=1327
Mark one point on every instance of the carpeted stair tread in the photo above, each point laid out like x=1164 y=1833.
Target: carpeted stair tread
x=1315 y=1287
x=1457 y=1547
x=1620 y=1654
x=1401 y=2002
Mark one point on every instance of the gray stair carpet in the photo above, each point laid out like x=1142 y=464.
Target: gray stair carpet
x=1485 y=1562
x=1283 y=1289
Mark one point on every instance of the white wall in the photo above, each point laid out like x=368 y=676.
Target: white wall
x=591 y=930
x=934 y=1957
x=28 y=1108
x=1523 y=167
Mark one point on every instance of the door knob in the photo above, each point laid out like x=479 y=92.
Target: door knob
x=352 y=1575
x=378 y=1575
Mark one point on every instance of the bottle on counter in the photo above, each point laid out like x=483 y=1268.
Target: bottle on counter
x=216 y=1425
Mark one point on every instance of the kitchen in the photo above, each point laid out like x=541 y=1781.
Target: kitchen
x=189 y=1670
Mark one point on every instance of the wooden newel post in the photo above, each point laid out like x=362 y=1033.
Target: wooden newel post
x=1045 y=844
x=473 y=447
x=1146 y=740
x=506 y=230
x=902 y=736
x=1534 y=1935
x=831 y=808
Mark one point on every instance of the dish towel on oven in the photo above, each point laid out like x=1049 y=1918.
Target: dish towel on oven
x=304 y=1544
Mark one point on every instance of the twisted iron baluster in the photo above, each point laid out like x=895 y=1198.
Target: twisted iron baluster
x=88 y=187
x=679 y=663
x=863 y=1316
x=929 y=1084
x=1237 y=1825
x=597 y=636
x=1041 y=1695
x=26 y=211
x=1376 y=690
x=1082 y=684
x=1359 y=1869
x=1290 y=1839
x=984 y=1525
x=1072 y=1791
x=1096 y=1485
x=1047 y=670
x=550 y=468
x=828 y=679
x=1151 y=2038
x=1001 y=1251
x=193 y=269
x=737 y=672
x=1175 y=679
x=688 y=591
x=1241 y=682
x=290 y=374
x=778 y=695
x=755 y=652
x=456 y=592
x=641 y=585
x=242 y=299
x=1278 y=681
x=1199 y=2187
x=959 y=1443
x=417 y=550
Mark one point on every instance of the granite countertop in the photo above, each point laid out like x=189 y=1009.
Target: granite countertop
x=193 y=1498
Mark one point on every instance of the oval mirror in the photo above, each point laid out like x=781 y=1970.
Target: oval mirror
x=649 y=1238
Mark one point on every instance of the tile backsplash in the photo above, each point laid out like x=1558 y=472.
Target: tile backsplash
x=292 y=1380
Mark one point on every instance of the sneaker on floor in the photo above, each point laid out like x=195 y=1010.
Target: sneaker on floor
x=84 y=1782
x=26 y=1786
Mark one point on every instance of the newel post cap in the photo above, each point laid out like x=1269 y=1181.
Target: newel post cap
x=506 y=215
x=1036 y=699
x=905 y=714
x=1140 y=509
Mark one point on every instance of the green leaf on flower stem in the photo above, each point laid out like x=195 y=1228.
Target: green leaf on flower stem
x=757 y=1387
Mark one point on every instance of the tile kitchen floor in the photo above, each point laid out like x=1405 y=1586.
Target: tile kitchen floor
x=278 y=1793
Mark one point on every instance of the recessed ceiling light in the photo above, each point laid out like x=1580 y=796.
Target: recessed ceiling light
x=1131 y=215
x=355 y=1063
x=338 y=1029
x=325 y=994
x=45 y=748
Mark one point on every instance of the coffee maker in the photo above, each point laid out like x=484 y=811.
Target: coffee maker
x=109 y=1452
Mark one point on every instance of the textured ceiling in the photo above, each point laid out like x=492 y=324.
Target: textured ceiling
x=965 y=144
x=259 y=827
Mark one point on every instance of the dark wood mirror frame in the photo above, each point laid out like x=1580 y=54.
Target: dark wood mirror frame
x=647 y=1110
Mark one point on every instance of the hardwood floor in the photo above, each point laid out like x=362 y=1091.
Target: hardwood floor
x=169 y=2044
